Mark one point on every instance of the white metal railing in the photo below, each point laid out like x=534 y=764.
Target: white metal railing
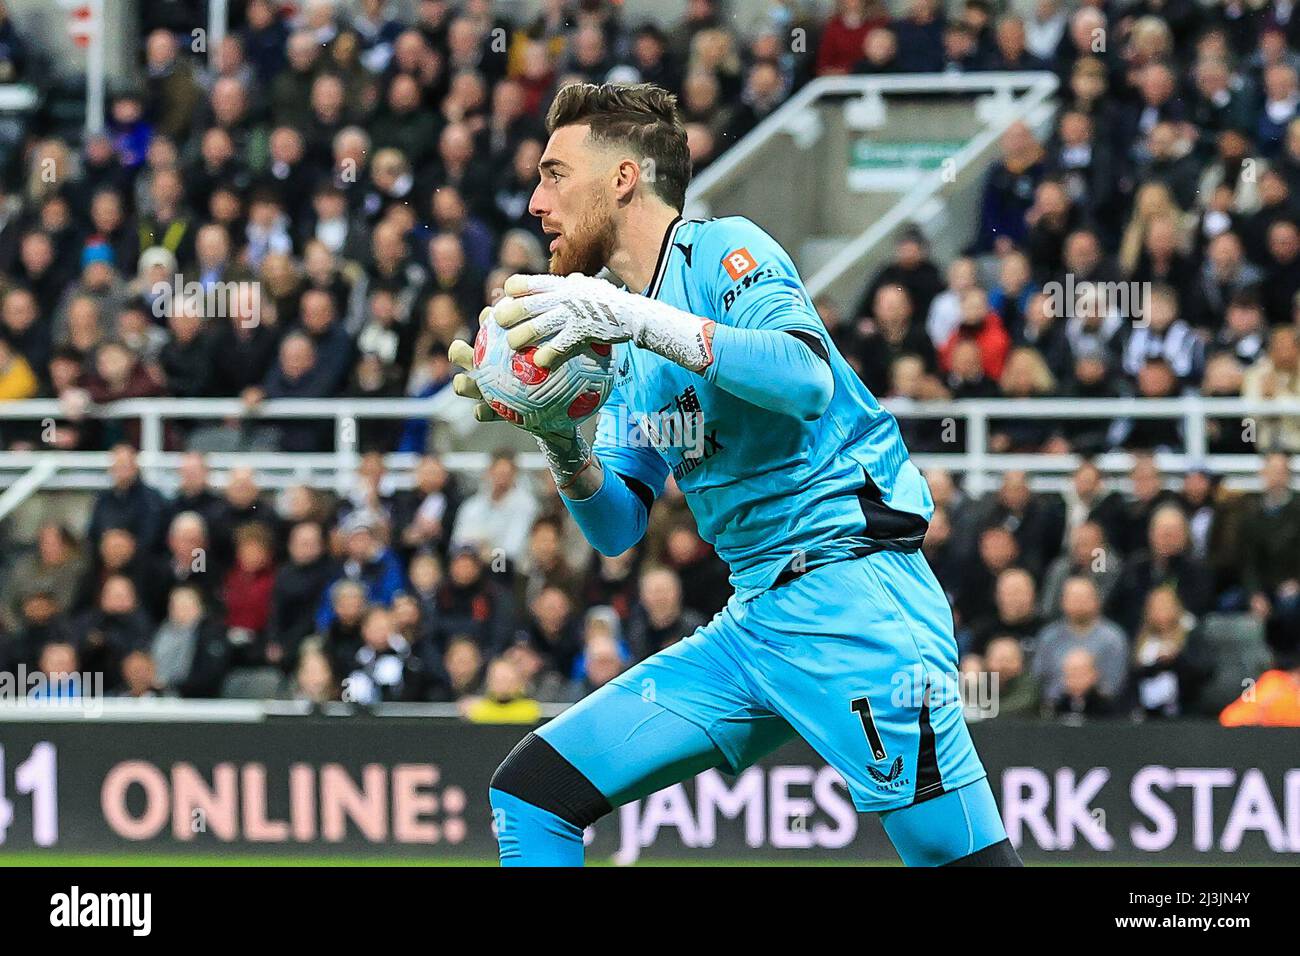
x=30 y=471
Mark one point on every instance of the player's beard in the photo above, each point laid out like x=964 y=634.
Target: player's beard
x=588 y=246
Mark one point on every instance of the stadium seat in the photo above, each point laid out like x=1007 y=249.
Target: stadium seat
x=1237 y=643
x=251 y=683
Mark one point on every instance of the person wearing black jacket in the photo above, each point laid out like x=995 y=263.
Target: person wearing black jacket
x=194 y=493
x=383 y=668
x=1168 y=561
x=186 y=359
x=119 y=553
x=912 y=269
x=244 y=347
x=113 y=629
x=470 y=602
x=190 y=653
x=40 y=623
x=426 y=513
x=128 y=502
x=296 y=595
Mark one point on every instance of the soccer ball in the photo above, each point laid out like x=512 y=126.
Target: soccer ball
x=536 y=398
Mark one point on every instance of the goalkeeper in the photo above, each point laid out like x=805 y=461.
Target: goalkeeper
x=838 y=631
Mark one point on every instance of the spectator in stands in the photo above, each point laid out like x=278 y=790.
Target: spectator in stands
x=504 y=700
x=38 y=622
x=191 y=560
x=1226 y=271
x=1080 y=694
x=920 y=37
x=1170 y=664
x=128 y=502
x=1015 y=692
x=942 y=554
x=296 y=594
x=1276 y=375
x=470 y=603
x=247 y=591
x=659 y=619
x=1244 y=333
x=887 y=333
x=424 y=515
x=879 y=53
x=547 y=566
x=1271 y=701
x=704 y=577
x=1167 y=561
x=1014 y=614
x=981 y=325
x=498 y=517
x=114 y=628
x=945 y=308
x=139 y=677
x=314 y=678
x=1088 y=500
x=60 y=666
x=1088 y=557
x=601 y=662
x=961 y=52
x=1148 y=493
x=1009 y=191
x=553 y=631
x=1270 y=558
x=844 y=34
x=1036 y=521
x=189 y=652
x=1025 y=375
x=55 y=569
x=383 y=669
x=1081 y=627
x=463 y=667
x=1163 y=334
x=368 y=562
x=912 y=269
x=341 y=637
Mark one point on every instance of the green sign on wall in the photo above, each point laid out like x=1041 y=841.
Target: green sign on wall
x=869 y=154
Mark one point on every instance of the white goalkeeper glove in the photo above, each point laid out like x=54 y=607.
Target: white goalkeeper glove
x=577 y=311
x=567 y=452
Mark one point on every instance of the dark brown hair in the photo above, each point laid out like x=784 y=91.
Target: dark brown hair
x=640 y=116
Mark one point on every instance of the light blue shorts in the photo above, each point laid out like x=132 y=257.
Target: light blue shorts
x=856 y=657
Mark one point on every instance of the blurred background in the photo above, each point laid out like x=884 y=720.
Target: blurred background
x=266 y=592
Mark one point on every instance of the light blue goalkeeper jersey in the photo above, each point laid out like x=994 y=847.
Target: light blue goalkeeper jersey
x=773 y=494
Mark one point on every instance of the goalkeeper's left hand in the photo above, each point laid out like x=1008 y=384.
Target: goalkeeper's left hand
x=567 y=452
x=577 y=311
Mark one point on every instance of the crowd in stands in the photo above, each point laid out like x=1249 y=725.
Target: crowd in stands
x=370 y=174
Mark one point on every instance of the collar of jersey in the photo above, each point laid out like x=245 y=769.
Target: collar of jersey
x=661 y=265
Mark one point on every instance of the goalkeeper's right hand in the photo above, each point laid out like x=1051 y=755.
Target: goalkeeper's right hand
x=567 y=452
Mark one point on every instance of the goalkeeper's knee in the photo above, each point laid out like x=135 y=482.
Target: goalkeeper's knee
x=541 y=804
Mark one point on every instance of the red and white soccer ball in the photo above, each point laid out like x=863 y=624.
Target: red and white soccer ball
x=540 y=399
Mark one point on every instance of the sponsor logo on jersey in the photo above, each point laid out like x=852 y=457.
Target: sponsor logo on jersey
x=731 y=295
x=738 y=262
x=892 y=781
